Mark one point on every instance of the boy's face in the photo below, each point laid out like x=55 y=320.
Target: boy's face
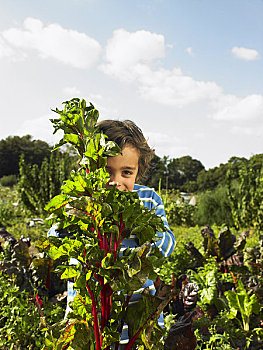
x=123 y=169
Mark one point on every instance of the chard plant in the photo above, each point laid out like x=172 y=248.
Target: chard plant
x=97 y=219
x=242 y=302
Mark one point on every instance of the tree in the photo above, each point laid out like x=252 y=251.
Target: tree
x=157 y=173
x=181 y=170
x=12 y=147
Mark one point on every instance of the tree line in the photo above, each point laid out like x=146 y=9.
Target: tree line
x=184 y=173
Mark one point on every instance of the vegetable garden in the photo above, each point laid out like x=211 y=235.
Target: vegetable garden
x=210 y=289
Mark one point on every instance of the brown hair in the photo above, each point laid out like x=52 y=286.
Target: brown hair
x=128 y=133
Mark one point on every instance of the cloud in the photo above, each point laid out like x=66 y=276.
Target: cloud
x=6 y=50
x=125 y=50
x=71 y=91
x=53 y=41
x=189 y=50
x=165 y=145
x=247 y=131
x=231 y=108
x=173 y=88
x=40 y=128
x=245 y=54
x=131 y=57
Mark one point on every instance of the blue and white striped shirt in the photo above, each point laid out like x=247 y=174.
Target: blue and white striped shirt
x=150 y=199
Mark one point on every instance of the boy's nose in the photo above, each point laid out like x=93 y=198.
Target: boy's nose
x=114 y=180
x=112 y=183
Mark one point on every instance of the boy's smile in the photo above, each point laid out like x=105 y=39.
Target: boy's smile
x=123 y=169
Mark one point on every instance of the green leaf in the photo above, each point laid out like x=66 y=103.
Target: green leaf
x=71 y=271
x=76 y=141
x=57 y=202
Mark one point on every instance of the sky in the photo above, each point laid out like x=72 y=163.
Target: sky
x=188 y=73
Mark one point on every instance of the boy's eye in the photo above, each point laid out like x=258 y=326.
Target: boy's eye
x=127 y=172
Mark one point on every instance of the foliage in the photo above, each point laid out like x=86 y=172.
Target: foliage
x=243 y=302
x=13 y=147
x=246 y=199
x=177 y=264
x=9 y=208
x=175 y=173
x=224 y=262
x=8 y=180
x=7 y=213
x=214 y=208
x=206 y=278
x=178 y=211
x=216 y=341
x=98 y=219
x=157 y=172
x=23 y=288
x=181 y=170
x=37 y=185
x=20 y=321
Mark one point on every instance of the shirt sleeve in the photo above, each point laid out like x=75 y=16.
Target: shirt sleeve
x=52 y=232
x=167 y=241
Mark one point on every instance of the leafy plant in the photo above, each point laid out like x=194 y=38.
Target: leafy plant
x=8 y=180
x=97 y=220
x=246 y=196
x=244 y=303
x=20 y=321
x=216 y=341
x=213 y=208
x=38 y=184
x=178 y=211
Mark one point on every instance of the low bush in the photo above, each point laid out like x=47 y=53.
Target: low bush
x=213 y=208
x=8 y=180
x=20 y=322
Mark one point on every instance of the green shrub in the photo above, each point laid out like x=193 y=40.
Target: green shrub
x=213 y=207
x=178 y=211
x=37 y=185
x=20 y=321
x=176 y=264
x=8 y=180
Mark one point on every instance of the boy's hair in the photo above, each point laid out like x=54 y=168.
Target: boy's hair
x=128 y=133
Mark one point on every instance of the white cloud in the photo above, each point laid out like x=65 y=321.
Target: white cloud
x=40 y=128
x=189 y=50
x=165 y=145
x=6 y=50
x=230 y=107
x=173 y=88
x=53 y=41
x=71 y=91
x=251 y=131
x=245 y=53
x=130 y=57
x=125 y=50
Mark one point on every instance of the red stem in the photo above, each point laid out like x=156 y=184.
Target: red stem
x=132 y=340
x=95 y=317
x=115 y=248
x=80 y=134
x=110 y=247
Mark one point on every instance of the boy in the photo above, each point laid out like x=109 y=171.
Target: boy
x=124 y=170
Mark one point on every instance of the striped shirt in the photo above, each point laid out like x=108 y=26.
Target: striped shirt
x=150 y=199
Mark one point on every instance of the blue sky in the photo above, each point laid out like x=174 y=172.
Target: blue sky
x=189 y=73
